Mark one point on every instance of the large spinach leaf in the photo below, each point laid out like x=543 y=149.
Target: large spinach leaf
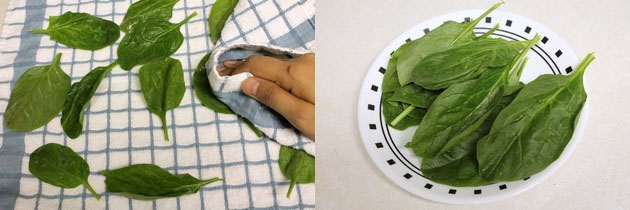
x=150 y=41
x=221 y=11
x=441 y=38
x=531 y=132
x=462 y=172
x=464 y=62
x=296 y=165
x=150 y=182
x=81 y=30
x=162 y=85
x=37 y=97
x=78 y=99
x=147 y=10
x=203 y=90
x=58 y=165
x=463 y=107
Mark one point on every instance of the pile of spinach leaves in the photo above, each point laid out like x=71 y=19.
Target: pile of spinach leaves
x=477 y=123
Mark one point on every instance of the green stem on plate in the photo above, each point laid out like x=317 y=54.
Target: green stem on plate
x=402 y=115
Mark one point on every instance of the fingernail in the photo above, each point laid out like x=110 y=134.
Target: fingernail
x=250 y=86
x=221 y=68
x=229 y=62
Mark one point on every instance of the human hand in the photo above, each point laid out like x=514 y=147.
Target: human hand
x=287 y=86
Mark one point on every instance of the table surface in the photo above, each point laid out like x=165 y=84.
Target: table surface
x=3 y=10
x=351 y=33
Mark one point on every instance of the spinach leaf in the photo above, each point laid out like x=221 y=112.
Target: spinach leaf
x=441 y=38
x=462 y=172
x=37 y=97
x=463 y=145
x=463 y=107
x=221 y=11
x=464 y=62
x=150 y=182
x=296 y=165
x=390 y=79
x=147 y=10
x=78 y=99
x=81 y=30
x=204 y=93
x=393 y=109
x=162 y=85
x=531 y=132
x=150 y=41
x=58 y=165
x=414 y=95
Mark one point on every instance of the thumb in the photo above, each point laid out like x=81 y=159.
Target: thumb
x=274 y=96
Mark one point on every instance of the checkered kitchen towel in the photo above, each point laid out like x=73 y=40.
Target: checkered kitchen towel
x=254 y=30
x=120 y=131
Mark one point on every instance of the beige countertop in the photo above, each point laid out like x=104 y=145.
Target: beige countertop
x=351 y=33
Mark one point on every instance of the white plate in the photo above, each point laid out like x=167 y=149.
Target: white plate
x=386 y=145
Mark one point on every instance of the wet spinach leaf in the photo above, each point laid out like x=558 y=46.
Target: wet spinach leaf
x=78 y=99
x=81 y=30
x=58 y=165
x=531 y=132
x=463 y=107
x=37 y=97
x=439 y=39
x=204 y=93
x=221 y=11
x=147 y=10
x=150 y=41
x=296 y=165
x=162 y=85
x=150 y=182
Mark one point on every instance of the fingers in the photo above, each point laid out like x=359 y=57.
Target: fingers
x=299 y=113
x=269 y=68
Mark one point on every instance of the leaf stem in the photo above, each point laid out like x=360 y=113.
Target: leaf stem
x=518 y=63
x=57 y=59
x=39 y=31
x=402 y=115
x=496 y=26
x=187 y=19
x=582 y=66
x=87 y=185
x=290 y=188
x=164 y=128
x=472 y=25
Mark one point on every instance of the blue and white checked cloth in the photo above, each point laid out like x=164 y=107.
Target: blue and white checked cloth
x=120 y=131
x=279 y=28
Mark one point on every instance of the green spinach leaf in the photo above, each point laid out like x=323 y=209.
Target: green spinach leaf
x=78 y=99
x=37 y=97
x=150 y=182
x=58 y=165
x=441 y=38
x=393 y=109
x=163 y=87
x=531 y=132
x=221 y=11
x=296 y=165
x=414 y=95
x=390 y=79
x=203 y=90
x=465 y=62
x=147 y=10
x=150 y=41
x=81 y=30
x=463 y=107
x=462 y=172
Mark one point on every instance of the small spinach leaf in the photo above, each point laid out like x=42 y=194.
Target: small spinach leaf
x=221 y=11
x=58 y=165
x=462 y=172
x=393 y=109
x=37 y=97
x=531 y=132
x=414 y=95
x=81 y=30
x=150 y=182
x=441 y=38
x=147 y=10
x=390 y=79
x=150 y=41
x=78 y=99
x=163 y=88
x=296 y=165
